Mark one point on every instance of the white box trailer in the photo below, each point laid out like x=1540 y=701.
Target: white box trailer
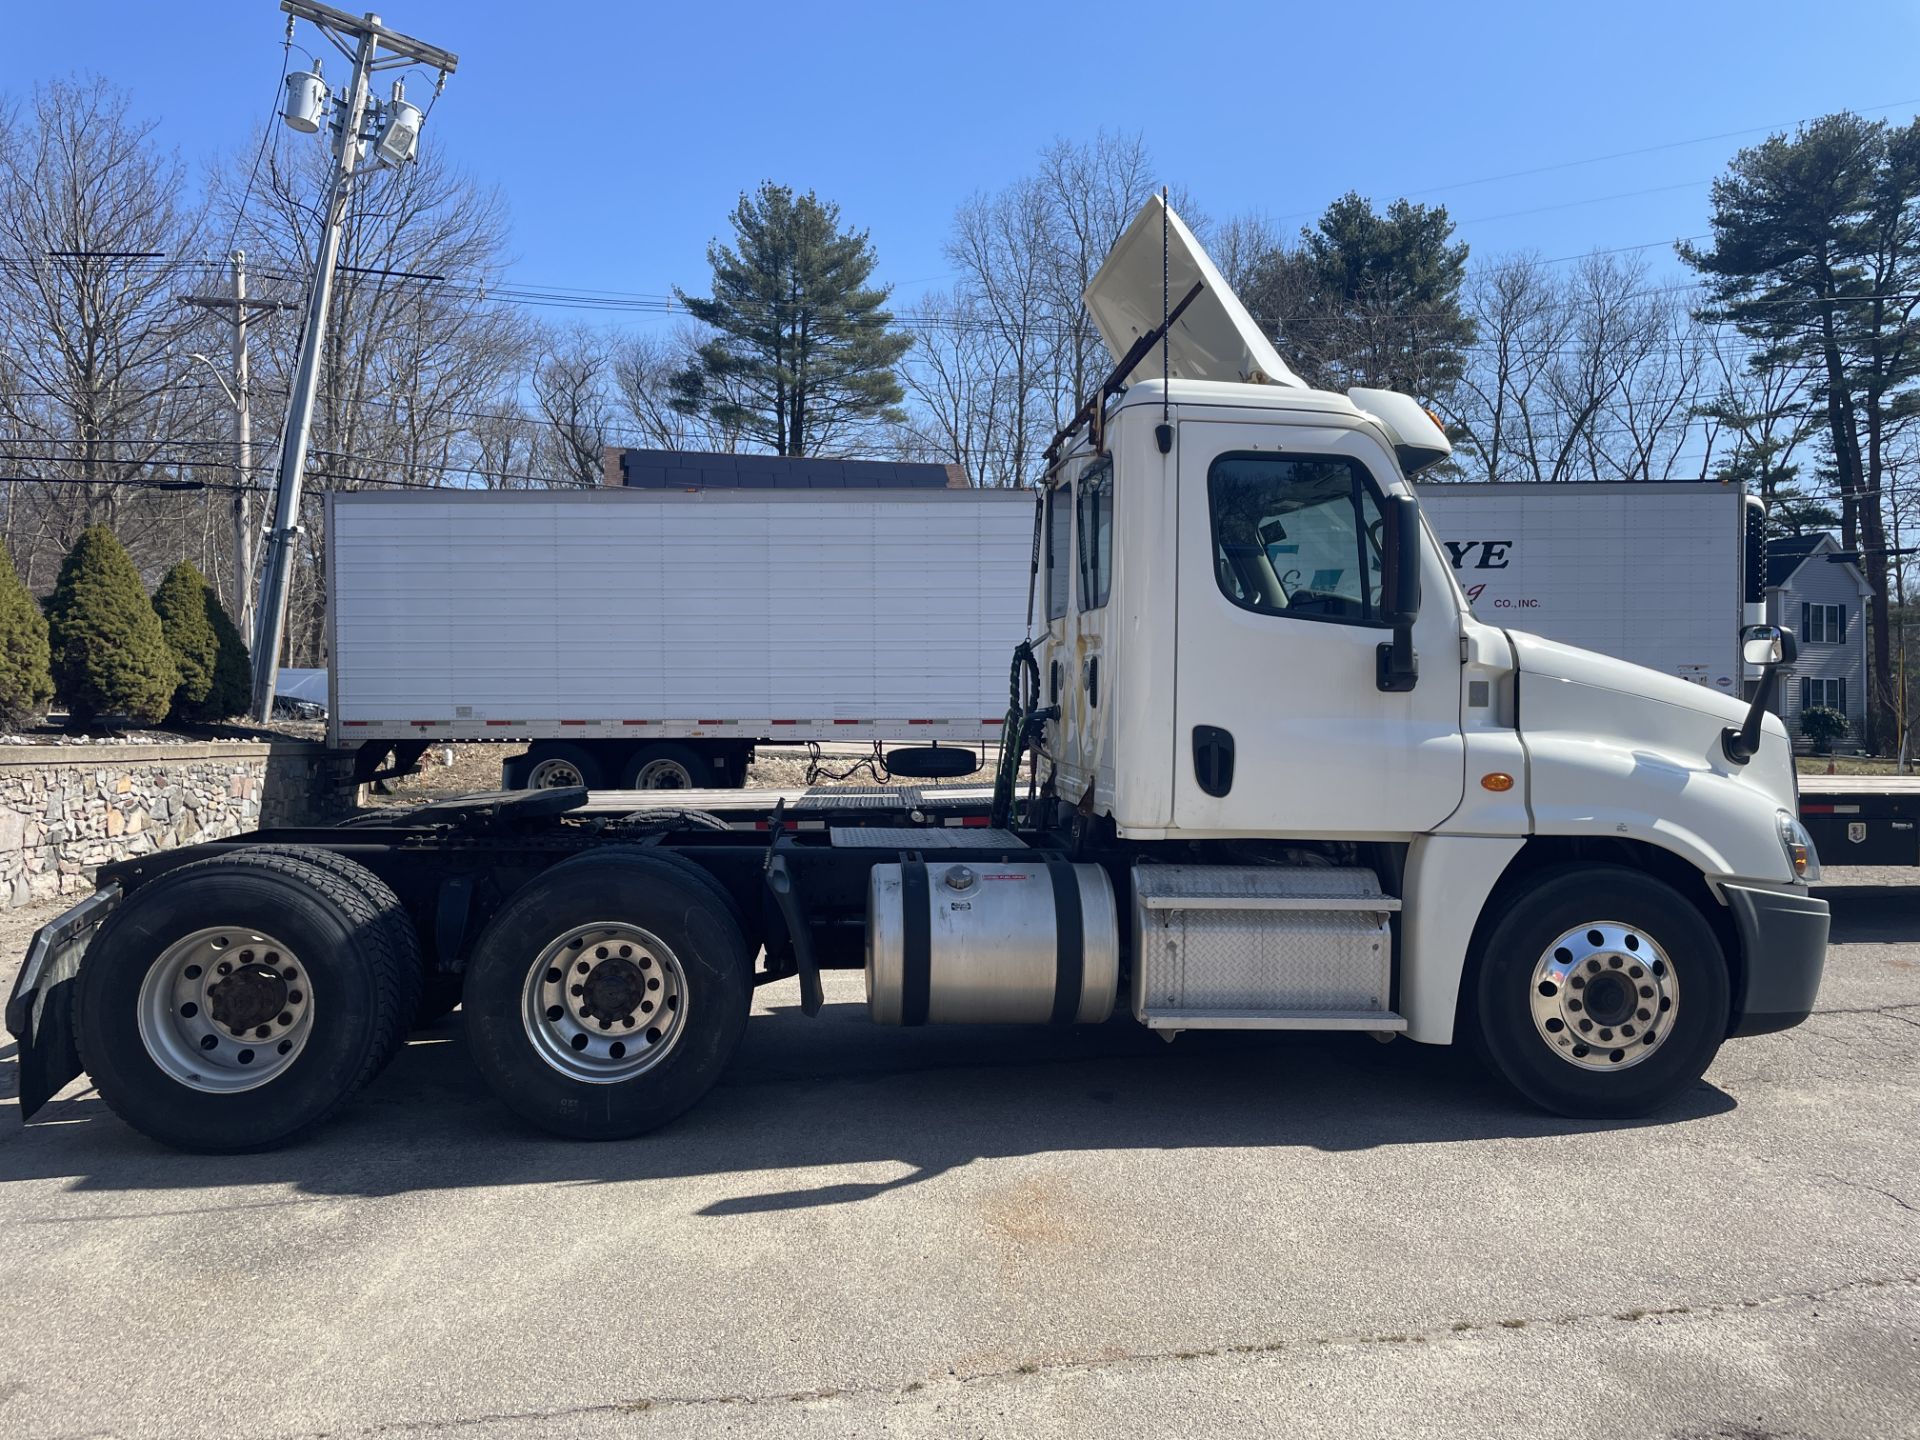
x=649 y=639
x=1662 y=575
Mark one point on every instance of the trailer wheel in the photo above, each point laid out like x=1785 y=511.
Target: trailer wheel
x=666 y=767
x=609 y=994
x=559 y=767
x=1601 y=992
x=235 y=1002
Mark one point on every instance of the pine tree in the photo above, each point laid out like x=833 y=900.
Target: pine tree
x=181 y=604
x=109 y=653
x=1370 y=299
x=232 y=689
x=1816 y=259
x=804 y=355
x=26 y=686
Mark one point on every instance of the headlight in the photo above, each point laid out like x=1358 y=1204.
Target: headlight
x=1802 y=859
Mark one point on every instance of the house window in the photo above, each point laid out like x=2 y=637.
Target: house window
x=1818 y=690
x=1823 y=624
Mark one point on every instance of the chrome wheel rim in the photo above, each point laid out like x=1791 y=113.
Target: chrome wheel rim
x=1604 y=996
x=663 y=775
x=225 y=1009
x=605 y=1002
x=554 y=775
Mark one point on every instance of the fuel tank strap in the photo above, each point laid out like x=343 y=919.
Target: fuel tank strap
x=1069 y=942
x=916 y=943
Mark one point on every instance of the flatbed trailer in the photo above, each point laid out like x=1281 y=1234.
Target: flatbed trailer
x=1863 y=819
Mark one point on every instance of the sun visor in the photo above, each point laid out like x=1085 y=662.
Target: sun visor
x=1214 y=339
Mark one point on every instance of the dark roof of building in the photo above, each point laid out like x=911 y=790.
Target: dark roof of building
x=1787 y=554
x=699 y=469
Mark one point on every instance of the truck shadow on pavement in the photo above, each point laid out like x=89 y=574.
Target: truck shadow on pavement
x=808 y=1096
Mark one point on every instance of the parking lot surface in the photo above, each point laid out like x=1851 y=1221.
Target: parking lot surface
x=980 y=1232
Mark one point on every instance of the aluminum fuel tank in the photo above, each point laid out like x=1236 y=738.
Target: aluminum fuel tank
x=991 y=943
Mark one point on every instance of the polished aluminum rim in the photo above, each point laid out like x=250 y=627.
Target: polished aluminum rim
x=605 y=1002
x=554 y=774
x=225 y=1009
x=663 y=774
x=1604 y=996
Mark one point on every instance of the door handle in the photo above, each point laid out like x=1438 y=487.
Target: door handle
x=1213 y=759
x=1090 y=678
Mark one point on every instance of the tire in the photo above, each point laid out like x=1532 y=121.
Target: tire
x=560 y=766
x=351 y=983
x=1571 y=986
x=400 y=934
x=666 y=767
x=685 y=988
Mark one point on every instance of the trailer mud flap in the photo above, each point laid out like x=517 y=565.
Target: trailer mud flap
x=40 y=1010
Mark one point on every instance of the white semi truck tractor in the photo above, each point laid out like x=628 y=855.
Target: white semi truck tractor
x=1263 y=770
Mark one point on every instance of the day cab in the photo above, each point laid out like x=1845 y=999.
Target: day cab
x=1259 y=651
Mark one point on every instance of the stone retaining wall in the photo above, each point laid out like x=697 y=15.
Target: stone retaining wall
x=65 y=810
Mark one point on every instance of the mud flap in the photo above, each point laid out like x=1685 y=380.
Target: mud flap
x=40 y=1010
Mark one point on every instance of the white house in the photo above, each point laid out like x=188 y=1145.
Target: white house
x=1824 y=602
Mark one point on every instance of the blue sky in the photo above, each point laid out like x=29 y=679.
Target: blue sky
x=620 y=134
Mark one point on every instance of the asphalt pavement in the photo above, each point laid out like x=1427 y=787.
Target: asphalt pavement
x=974 y=1232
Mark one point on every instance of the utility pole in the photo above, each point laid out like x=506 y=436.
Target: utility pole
x=237 y=309
x=371 y=46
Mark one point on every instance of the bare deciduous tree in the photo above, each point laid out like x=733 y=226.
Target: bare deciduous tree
x=98 y=230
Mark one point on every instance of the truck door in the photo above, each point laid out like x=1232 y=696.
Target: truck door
x=1281 y=728
x=1078 y=545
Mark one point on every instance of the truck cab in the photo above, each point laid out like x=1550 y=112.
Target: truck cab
x=1255 y=648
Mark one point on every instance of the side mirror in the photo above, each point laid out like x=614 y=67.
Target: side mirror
x=1397 y=667
x=1769 y=647
x=1765 y=645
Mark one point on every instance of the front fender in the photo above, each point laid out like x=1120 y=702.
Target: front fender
x=1606 y=762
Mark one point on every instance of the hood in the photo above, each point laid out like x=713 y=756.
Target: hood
x=1537 y=655
x=1214 y=338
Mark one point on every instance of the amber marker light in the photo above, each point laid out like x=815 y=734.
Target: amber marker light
x=1497 y=781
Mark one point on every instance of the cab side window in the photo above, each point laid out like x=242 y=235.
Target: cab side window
x=1059 y=531
x=1297 y=536
x=1094 y=506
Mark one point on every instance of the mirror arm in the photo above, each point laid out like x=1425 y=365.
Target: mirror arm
x=1397 y=667
x=1741 y=745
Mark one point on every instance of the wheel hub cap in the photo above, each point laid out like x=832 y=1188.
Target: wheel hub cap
x=605 y=1002
x=249 y=997
x=1604 y=996
x=225 y=1009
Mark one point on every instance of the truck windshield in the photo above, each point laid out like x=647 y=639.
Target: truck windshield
x=1296 y=536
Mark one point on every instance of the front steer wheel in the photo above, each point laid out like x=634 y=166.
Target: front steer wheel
x=235 y=1002
x=609 y=994
x=1601 y=992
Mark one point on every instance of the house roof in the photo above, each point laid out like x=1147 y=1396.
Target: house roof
x=1789 y=553
x=707 y=470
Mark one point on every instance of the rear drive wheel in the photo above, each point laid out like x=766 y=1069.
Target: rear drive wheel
x=561 y=767
x=666 y=767
x=609 y=994
x=1601 y=992
x=235 y=1002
